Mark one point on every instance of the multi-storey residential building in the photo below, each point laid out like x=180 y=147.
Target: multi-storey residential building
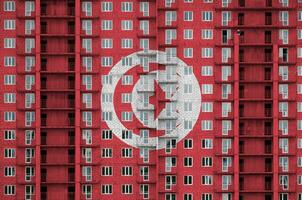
x=151 y=99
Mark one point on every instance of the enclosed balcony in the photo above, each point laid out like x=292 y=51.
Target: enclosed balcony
x=57 y=46
x=49 y=156
x=58 y=9
x=55 y=82
x=50 y=119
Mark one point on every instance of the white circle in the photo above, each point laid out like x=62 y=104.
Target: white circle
x=179 y=115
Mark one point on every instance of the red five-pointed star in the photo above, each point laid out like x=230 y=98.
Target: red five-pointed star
x=159 y=94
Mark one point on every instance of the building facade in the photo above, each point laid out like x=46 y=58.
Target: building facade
x=151 y=99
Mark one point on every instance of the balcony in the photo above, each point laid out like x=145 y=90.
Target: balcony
x=167 y=78
x=268 y=183
x=49 y=9
x=71 y=175
x=146 y=142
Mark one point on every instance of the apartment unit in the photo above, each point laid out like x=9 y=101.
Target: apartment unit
x=151 y=99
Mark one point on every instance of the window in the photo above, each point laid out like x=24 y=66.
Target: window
x=87 y=45
x=29 y=100
x=144 y=8
x=9 y=24
x=206 y=107
x=107 y=43
x=9 y=190
x=87 y=63
x=188 y=143
x=106 y=6
x=29 y=26
x=283 y=17
x=29 y=45
x=126 y=171
x=106 y=25
x=206 y=180
x=283 y=35
x=299 y=15
x=299 y=52
x=188 y=16
x=206 y=143
x=207 y=52
x=188 y=124
x=87 y=118
x=127 y=7
x=9 y=61
x=9 y=6
x=188 y=52
x=126 y=97
x=207 y=71
x=87 y=173
x=207 y=89
x=106 y=61
x=9 y=116
x=188 y=161
x=9 y=97
x=9 y=43
x=106 y=171
x=87 y=8
x=106 y=79
x=127 y=25
x=299 y=179
x=29 y=7
x=206 y=125
x=188 y=180
x=127 y=80
x=106 y=189
x=106 y=153
x=226 y=18
x=299 y=34
x=188 y=34
x=206 y=161
x=207 y=196
x=106 y=135
x=126 y=43
x=9 y=153
x=29 y=118
x=9 y=135
x=188 y=196
x=9 y=171
x=126 y=153
x=226 y=144
x=87 y=136
x=126 y=189
x=127 y=116
x=9 y=80
x=144 y=26
x=207 y=16
x=170 y=16
x=87 y=191
x=87 y=81
x=207 y=34
x=106 y=116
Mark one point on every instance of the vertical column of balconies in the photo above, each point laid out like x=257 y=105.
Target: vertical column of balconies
x=38 y=103
x=57 y=94
x=260 y=64
x=27 y=99
x=167 y=81
x=147 y=163
x=227 y=102
x=87 y=98
x=77 y=105
x=255 y=111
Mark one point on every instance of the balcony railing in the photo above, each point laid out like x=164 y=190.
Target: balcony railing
x=71 y=158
